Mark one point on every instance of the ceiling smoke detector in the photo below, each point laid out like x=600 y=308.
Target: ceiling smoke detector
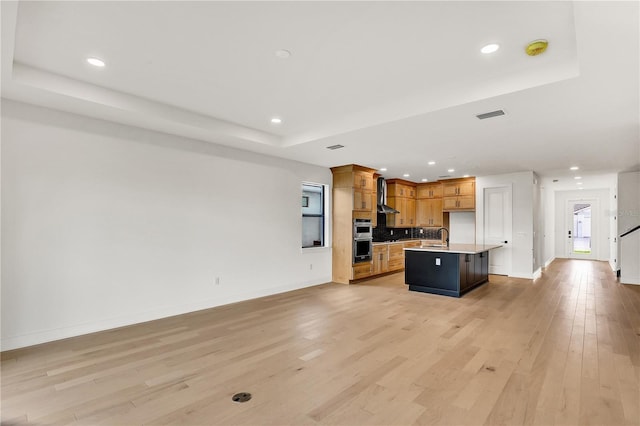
x=536 y=47
x=496 y=113
x=332 y=147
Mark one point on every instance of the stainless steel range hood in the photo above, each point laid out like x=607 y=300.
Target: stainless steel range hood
x=382 y=198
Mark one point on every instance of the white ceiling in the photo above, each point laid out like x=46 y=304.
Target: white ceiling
x=397 y=83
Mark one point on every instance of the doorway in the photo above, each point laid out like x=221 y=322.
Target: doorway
x=581 y=232
x=498 y=228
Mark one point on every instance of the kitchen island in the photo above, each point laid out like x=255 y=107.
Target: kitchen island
x=449 y=271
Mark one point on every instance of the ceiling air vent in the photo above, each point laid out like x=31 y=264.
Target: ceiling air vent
x=332 y=147
x=444 y=176
x=490 y=114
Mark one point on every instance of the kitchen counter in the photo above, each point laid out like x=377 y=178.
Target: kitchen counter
x=451 y=271
x=456 y=248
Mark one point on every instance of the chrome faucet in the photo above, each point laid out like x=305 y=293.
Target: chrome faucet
x=440 y=233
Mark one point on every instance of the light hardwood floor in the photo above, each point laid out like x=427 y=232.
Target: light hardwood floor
x=564 y=349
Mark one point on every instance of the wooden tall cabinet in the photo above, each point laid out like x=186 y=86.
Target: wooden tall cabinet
x=401 y=195
x=353 y=187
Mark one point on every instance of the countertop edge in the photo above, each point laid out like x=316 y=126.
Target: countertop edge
x=457 y=249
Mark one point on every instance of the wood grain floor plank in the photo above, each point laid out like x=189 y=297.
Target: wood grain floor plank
x=562 y=349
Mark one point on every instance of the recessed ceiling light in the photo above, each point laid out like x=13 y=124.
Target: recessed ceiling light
x=283 y=54
x=490 y=48
x=425 y=180
x=276 y=120
x=451 y=170
x=465 y=175
x=431 y=163
x=578 y=177
x=579 y=183
x=384 y=169
x=96 y=62
x=406 y=175
x=574 y=168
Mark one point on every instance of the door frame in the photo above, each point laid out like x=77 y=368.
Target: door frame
x=594 y=228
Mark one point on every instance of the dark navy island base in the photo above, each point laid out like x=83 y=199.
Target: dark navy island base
x=449 y=272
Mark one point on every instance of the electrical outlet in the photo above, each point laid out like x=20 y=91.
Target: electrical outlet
x=391 y=231
x=406 y=231
x=421 y=231
x=217 y=280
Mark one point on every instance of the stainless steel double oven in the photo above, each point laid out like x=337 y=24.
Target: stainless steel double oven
x=362 y=240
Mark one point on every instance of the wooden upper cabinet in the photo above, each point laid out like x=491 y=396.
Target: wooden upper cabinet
x=397 y=220
x=429 y=212
x=362 y=200
x=429 y=190
x=353 y=176
x=363 y=180
x=411 y=212
x=401 y=195
x=459 y=194
x=359 y=180
x=456 y=187
x=401 y=188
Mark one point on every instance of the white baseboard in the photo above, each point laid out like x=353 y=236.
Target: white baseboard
x=525 y=275
x=548 y=262
x=537 y=273
x=44 y=336
x=625 y=279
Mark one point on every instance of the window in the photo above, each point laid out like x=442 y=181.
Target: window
x=313 y=215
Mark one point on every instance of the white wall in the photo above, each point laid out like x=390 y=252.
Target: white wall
x=603 y=188
x=522 y=185
x=462 y=226
x=105 y=225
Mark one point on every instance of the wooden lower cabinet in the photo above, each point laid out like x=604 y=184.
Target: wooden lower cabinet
x=380 y=259
x=415 y=243
x=362 y=270
x=387 y=257
x=396 y=256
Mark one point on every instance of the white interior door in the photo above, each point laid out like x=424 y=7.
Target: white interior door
x=498 y=228
x=581 y=232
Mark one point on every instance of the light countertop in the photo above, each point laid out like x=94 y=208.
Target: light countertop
x=457 y=248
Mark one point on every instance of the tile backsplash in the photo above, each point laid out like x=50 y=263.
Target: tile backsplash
x=383 y=233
